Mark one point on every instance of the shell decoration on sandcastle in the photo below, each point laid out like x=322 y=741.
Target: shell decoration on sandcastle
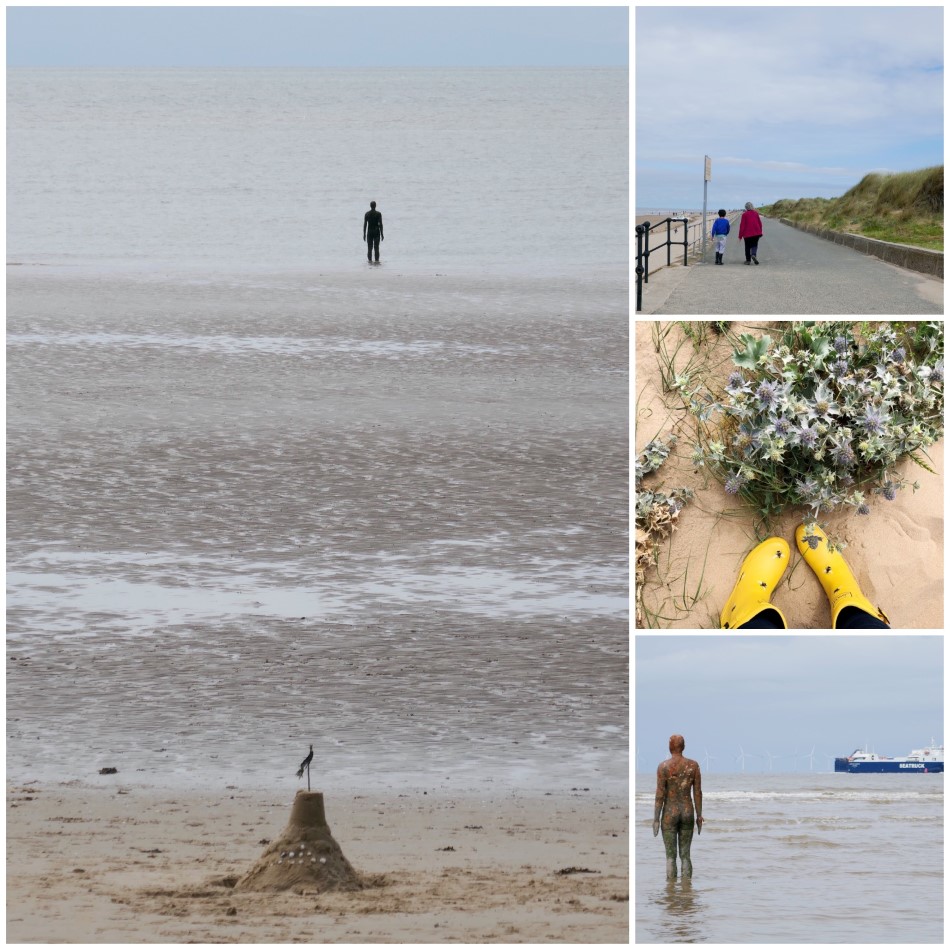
x=305 y=858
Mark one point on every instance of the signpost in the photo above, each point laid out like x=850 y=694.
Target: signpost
x=707 y=175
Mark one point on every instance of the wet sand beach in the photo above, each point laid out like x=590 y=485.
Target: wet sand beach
x=382 y=513
x=896 y=552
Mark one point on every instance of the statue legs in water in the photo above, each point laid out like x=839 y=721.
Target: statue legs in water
x=678 y=835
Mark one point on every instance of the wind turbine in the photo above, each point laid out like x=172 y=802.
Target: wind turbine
x=708 y=758
x=742 y=756
x=811 y=759
x=772 y=756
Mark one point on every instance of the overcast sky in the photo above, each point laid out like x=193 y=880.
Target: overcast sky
x=785 y=695
x=789 y=102
x=348 y=36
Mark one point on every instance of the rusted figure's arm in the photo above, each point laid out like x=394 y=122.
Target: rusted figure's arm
x=660 y=800
x=698 y=798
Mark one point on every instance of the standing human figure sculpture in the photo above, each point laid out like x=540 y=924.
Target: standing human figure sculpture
x=750 y=230
x=372 y=231
x=678 y=782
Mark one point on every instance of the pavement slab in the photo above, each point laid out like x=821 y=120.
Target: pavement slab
x=799 y=273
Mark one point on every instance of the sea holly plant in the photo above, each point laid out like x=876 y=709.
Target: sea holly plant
x=754 y=349
x=821 y=416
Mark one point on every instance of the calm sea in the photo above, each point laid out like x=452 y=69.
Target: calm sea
x=473 y=169
x=818 y=858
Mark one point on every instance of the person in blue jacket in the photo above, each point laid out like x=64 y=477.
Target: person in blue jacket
x=720 y=229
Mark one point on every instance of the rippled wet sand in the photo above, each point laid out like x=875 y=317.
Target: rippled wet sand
x=385 y=515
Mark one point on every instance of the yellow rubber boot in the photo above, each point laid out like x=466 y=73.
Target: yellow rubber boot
x=830 y=567
x=759 y=575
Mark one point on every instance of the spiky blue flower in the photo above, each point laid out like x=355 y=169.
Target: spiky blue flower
x=824 y=402
x=840 y=368
x=782 y=427
x=864 y=508
x=807 y=436
x=843 y=454
x=840 y=344
x=890 y=491
x=733 y=484
x=767 y=394
x=735 y=384
x=873 y=420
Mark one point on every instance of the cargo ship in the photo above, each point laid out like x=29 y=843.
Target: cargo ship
x=920 y=760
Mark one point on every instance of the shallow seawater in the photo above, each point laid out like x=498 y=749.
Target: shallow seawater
x=162 y=588
x=256 y=170
x=804 y=858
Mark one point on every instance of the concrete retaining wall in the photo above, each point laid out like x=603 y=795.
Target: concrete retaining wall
x=903 y=255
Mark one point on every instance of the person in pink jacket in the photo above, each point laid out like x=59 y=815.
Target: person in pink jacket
x=750 y=230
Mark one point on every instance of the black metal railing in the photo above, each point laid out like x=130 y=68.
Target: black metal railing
x=644 y=250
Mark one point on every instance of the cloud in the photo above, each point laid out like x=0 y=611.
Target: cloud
x=813 y=92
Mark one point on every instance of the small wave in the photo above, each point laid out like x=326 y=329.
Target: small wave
x=808 y=841
x=874 y=797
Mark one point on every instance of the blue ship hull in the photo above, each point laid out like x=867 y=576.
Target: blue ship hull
x=893 y=765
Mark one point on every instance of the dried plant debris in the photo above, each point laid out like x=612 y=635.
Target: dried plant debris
x=656 y=511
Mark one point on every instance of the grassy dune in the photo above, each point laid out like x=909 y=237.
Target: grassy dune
x=906 y=207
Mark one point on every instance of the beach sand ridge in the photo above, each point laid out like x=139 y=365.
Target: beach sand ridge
x=131 y=865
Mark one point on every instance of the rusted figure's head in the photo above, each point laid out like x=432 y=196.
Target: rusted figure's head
x=677 y=744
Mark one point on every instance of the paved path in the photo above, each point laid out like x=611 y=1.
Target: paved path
x=800 y=273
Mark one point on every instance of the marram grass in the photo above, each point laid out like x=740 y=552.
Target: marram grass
x=906 y=208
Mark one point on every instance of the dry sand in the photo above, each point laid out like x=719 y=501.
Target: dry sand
x=896 y=553
x=658 y=237
x=88 y=864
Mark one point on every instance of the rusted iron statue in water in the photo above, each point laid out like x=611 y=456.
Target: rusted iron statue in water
x=678 y=782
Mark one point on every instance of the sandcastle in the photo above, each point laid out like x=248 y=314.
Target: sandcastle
x=305 y=857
